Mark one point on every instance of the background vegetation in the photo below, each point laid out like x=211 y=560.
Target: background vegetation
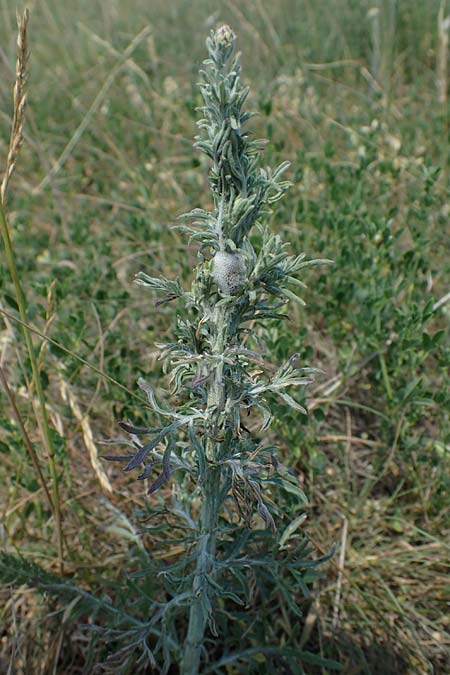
x=353 y=93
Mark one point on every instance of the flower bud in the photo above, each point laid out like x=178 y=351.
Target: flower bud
x=225 y=36
x=229 y=272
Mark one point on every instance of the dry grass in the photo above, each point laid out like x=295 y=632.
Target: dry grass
x=19 y=101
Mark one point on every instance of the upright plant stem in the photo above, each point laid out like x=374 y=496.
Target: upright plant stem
x=384 y=370
x=26 y=438
x=209 y=516
x=45 y=428
x=206 y=550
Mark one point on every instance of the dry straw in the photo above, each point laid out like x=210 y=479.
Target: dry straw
x=19 y=98
x=70 y=398
x=442 y=59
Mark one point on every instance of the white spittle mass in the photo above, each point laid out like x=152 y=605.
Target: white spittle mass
x=229 y=272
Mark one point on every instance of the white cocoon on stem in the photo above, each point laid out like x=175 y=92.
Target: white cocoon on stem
x=229 y=272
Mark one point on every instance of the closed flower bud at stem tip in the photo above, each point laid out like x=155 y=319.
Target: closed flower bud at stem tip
x=225 y=36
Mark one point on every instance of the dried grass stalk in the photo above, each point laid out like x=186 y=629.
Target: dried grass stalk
x=88 y=437
x=19 y=98
x=443 y=34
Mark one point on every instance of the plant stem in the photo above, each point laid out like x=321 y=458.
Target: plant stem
x=45 y=429
x=206 y=549
x=209 y=515
x=26 y=438
x=384 y=370
x=387 y=382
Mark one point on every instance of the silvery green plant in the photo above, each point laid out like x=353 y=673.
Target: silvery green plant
x=211 y=444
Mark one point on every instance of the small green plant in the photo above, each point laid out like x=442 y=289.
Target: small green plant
x=228 y=477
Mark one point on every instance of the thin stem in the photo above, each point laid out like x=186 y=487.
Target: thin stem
x=26 y=438
x=384 y=370
x=45 y=429
x=387 y=381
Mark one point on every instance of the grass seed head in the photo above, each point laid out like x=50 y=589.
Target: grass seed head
x=19 y=96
